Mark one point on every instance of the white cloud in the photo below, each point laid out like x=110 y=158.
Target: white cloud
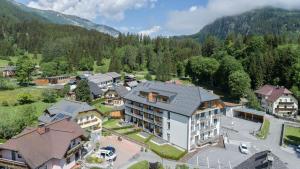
x=90 y=9
x=151 y=31
x=196 y=17
x=193 y=8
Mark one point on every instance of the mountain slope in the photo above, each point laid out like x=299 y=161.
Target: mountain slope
x=19 y=12
x=259 y=22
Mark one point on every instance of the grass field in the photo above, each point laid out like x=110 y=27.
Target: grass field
x=103 y=68
x=111 y=123
x=11 y=110
x=11 y=96
x=264 y=130
x=166 y=151
x=292 y=135
x=140 y=165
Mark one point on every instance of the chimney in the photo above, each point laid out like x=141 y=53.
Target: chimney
x=41 y=129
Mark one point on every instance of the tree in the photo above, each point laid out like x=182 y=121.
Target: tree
x=25 y=67
x=239 y=83
x=25 y=98
x=209 y=46
x=49 y=96
x=82 y=91
x=180 y=69
x=148 y=77
x=203 y=68
x=65 y=90
x=252 y=100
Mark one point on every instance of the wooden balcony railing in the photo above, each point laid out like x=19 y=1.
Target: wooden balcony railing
x=12 y=164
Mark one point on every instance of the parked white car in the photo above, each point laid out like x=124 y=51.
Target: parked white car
x=244 y=148
x=108 y=155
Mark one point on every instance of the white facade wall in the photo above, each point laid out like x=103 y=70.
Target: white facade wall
x=284 y=98
x=178 y=131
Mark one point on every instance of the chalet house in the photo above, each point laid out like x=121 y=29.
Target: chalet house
x=186 y=116
x=114 y=96
x=86 y=116
x=277 y=100
x=9 y=71
x=53 y=80
x=131 y=84
x=57 y=145
x=115 y=76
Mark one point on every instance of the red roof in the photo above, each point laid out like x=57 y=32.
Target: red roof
x=273 y=92
x=37 y=148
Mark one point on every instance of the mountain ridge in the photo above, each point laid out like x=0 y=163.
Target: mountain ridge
x=261 y=21
x=50 y=16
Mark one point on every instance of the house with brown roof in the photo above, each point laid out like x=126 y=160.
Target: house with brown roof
x=277 y=100
x=56 y=145
x=114 y=95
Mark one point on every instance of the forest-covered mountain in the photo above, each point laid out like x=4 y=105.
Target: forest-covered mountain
x=256 y=22
x=19 y=12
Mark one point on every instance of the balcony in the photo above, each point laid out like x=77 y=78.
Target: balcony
x=12 y=164
x=158 y=122
x=284 y=103
x=208 y=140
x=74 y=149
x=148 y=119
x=207 y=128
x=285 y=109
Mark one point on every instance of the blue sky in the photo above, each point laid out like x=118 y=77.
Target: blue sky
x=156 y=17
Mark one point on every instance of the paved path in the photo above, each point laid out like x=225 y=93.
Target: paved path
x=291 y=158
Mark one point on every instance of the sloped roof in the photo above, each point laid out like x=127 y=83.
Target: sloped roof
x=259 y=160
x=37 y=148
x=184 y=99
x=65 y=108
x=132 y=83
x=98 y=78
x=120 y=90
x=95 y=89
x=113 y=74
x=273 y=92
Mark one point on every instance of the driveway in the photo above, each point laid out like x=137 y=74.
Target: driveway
x=241 y=131
x=125 y=149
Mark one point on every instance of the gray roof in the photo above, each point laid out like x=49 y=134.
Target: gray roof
x=98 y=78
x=251 y=111
x=259 y=160
x=65 y=108
x=184 y=99
x=113 y=74
x=95 y=89
x=132 y=83
x=121 y=90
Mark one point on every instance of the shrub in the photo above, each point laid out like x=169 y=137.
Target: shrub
x=49 y=96
x=25 y=98
x=181 y=166
x=6 y=84
x=5 y=103
x=93 y=160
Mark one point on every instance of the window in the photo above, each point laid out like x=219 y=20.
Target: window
x=202 y=114
x=169 y=115
x=197 y=116
x=215 y=121
x=216 y=111
x=68 y=160
x=168 y=137
x=202 y=125
x=92 y=116
x=209 y=113
x=169 y=125
x=19 y=155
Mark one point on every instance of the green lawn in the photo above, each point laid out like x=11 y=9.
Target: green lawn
x=103 y=109
x=102 y=68
x=292 y=135
x=140 y=165
x=166 y=151
x=264 y=130
x=136 y=137
x=111 y=123
x=10 y=110
x=2 y=141
x=11 y=96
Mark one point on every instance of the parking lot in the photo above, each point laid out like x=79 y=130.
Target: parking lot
x=125 y=149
